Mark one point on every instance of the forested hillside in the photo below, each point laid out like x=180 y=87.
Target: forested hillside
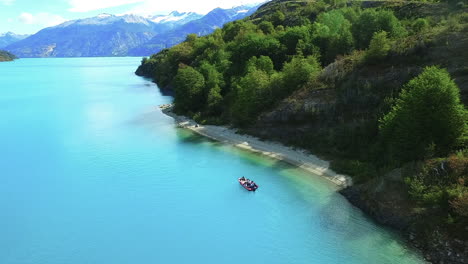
x=6 y=56
x=378 y=87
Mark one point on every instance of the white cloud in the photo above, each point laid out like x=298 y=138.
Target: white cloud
x=26 y=18
x=90 y=5
x=6 y=2
x=41 y=19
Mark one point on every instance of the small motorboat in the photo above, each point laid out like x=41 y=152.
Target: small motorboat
x=248 y=184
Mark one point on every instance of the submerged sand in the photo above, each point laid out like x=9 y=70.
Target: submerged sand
x=296 y=157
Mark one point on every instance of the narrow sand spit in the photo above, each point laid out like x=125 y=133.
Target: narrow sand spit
x=296 y=157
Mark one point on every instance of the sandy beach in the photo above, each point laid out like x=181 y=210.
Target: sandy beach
x=296 y=157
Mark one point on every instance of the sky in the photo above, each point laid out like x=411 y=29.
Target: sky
x=30 y=16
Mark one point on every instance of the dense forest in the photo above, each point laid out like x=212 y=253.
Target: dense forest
x=6 y=56
x=378 y=87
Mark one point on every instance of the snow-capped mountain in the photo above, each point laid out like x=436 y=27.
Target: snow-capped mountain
x=106 y=19
x=102 y=35
x=121 y=35
x=203 y=26
x=8 y=38
x=176 y=18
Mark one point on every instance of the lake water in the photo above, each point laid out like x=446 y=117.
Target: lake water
x=92 y=172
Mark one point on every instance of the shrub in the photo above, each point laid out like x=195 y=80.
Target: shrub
x=420 y=25
x=428 y=111
x=460 y=205
x=378 y=48
x=299 y=71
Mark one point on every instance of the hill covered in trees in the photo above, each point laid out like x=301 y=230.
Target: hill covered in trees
x=6 y=56
x=378 y=87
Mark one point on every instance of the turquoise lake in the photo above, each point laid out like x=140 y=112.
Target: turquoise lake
x=92 y=173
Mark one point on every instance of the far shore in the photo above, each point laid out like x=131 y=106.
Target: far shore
x=296 y=157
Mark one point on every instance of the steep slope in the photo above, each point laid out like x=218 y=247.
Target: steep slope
x=6 y=56
x=104 y=35
x=10 y=38
x=203 y=26
x=379 y=88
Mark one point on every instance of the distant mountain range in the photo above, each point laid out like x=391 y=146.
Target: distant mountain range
x=175 y=18
x=203 y=26
x=125 y=35
x=9 y=38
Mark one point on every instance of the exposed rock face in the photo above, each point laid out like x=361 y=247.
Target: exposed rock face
x=385 y=199
x=312 y=103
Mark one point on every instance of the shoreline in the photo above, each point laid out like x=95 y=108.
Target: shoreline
x=296 y=157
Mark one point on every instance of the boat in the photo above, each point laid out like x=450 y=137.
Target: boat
x=248 y=184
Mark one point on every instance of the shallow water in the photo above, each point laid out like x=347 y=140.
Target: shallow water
x=93 y=172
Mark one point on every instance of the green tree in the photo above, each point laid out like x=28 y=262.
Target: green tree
x=254 y=45
x=379 y=47
x=252 y=96
x=298 y=72
x=332 y=34
x=212 y=76
x=292 y=36
x=191 y=38
x=420 y=25
x=263 y=63
x=334 y=20
x=214 y=101
x=266 y=27
x=427 y=115
x=189 y=87
x=277 y=18
x=237 y=29
x=371 y=21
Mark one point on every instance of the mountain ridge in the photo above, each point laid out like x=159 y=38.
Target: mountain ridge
x=9 y=37
x=120 y=35
x=203 y=26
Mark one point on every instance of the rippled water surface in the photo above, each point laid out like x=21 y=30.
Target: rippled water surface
x=93 y=172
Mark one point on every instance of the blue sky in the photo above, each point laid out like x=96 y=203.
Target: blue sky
x=29 y=16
